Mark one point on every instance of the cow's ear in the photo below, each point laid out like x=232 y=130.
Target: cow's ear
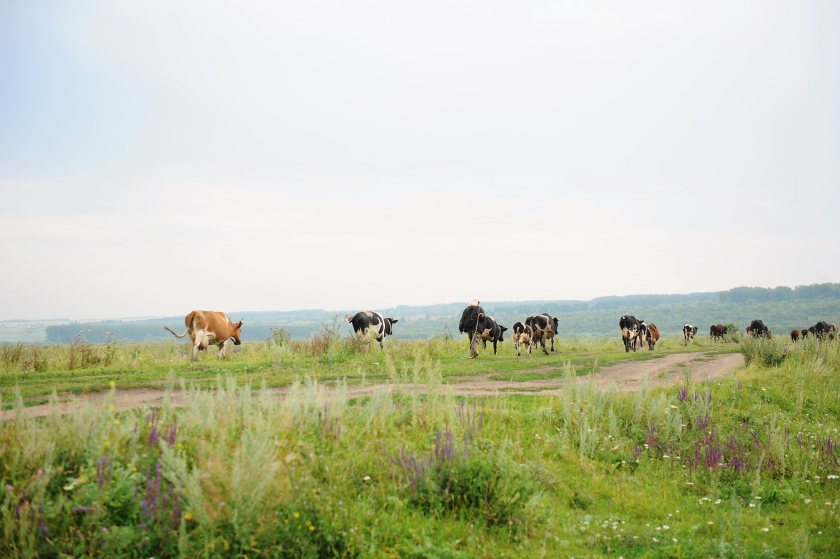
x=240 y=323
x=504 y=328
x=393 y=320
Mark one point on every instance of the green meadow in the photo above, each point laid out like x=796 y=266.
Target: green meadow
x=746 y=465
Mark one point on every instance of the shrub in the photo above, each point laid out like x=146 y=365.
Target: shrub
x=769 y=353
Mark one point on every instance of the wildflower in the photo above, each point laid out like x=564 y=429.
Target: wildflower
x=188 y=516
x=311 y=528
x=366 y=478
x=112 y=384
x=765 y=529
x=117 y=422
x=296 y=514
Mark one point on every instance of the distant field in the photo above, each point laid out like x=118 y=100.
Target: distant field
x=744 y=466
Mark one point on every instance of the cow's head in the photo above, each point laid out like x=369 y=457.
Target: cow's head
x=235 y=332
x=502 y=330
x=388 y=323
x=556 y=324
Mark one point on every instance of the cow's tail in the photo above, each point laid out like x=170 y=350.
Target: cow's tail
x=348 y=318
x=177 y=335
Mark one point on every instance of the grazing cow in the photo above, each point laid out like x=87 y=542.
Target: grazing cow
x=629 y=331
x=651 y=335
x=545 y=327
x=522 y=335
x=689 y=331
x=804 y=333
x=366 y=321
x=757 y=329
x=795 y=335
x=718 y=331
x=209 y=327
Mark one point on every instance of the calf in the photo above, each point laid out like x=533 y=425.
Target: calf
x=372 y=321
x=545 y=327
x=718 y=331
x=629 y=331
x=209 y=327
x=522 y=335
x=689 y=332
x=651 y=335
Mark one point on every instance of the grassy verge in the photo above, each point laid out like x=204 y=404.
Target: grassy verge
x=746 y=466
x=36 y=371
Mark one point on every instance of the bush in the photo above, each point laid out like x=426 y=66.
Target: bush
x=769 y=353
x=489 y=486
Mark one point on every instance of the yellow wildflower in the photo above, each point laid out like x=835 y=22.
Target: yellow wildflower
x=296 y=514
x=187 y=516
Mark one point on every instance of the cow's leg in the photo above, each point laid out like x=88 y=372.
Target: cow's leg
x=222 y=349
x=542 y=342
x=494 y=346
x=552 y=343
x=382 y=342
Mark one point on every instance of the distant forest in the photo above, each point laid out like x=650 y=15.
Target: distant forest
x=781 y=308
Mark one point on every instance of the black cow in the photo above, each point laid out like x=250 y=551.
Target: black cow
x=545 y=327
x=369 y=320
x=629 y=331
x=718 y=331
x=689 y=331
x=757 y=329
x=821 y=329
x=522 y=335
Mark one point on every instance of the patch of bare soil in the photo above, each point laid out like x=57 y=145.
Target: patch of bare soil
x=626 y=377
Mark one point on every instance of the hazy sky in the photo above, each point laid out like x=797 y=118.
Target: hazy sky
x=161 y=156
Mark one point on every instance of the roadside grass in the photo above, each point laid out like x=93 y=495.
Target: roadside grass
x=37 y=371
x=744 y=466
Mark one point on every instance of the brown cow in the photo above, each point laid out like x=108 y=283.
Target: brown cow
x=795 y=335
x=652 y=335
x=209 y=327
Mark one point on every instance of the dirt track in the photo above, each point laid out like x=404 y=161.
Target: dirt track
x=627 y=377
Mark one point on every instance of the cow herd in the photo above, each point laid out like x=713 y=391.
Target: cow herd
x=207 y=328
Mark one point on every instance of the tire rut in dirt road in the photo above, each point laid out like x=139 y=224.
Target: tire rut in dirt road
x=626 y=377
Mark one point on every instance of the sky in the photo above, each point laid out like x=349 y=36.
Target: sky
x=160 y=156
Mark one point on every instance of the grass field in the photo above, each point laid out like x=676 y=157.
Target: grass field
x=744 y=466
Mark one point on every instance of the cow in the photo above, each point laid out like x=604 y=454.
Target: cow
x=209 y=327
x=522 y=335
x=545 y=327
x=804 y=333
x=492 y=331
x=473 y=321
x=822 y=329
x=718 y=331
x=795 y=335
x=629 y=331
x=651 y=335
x=689 y=331
x=365 y=321
x=757 y=329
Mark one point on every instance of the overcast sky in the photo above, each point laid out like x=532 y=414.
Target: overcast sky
x=161 y=156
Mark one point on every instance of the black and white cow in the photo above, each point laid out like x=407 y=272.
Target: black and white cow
x=643 y=334
x=545 y=327
x=629 y=331
x=492 y=332
x=479 y=327
x=689 y=331
x=365 y=321
x=522 y=335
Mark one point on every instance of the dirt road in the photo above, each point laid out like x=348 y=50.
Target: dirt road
x=629 y=376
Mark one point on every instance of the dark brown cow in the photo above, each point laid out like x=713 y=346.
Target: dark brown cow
x=209 y=327
x=718 y=331
x=795 y=335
